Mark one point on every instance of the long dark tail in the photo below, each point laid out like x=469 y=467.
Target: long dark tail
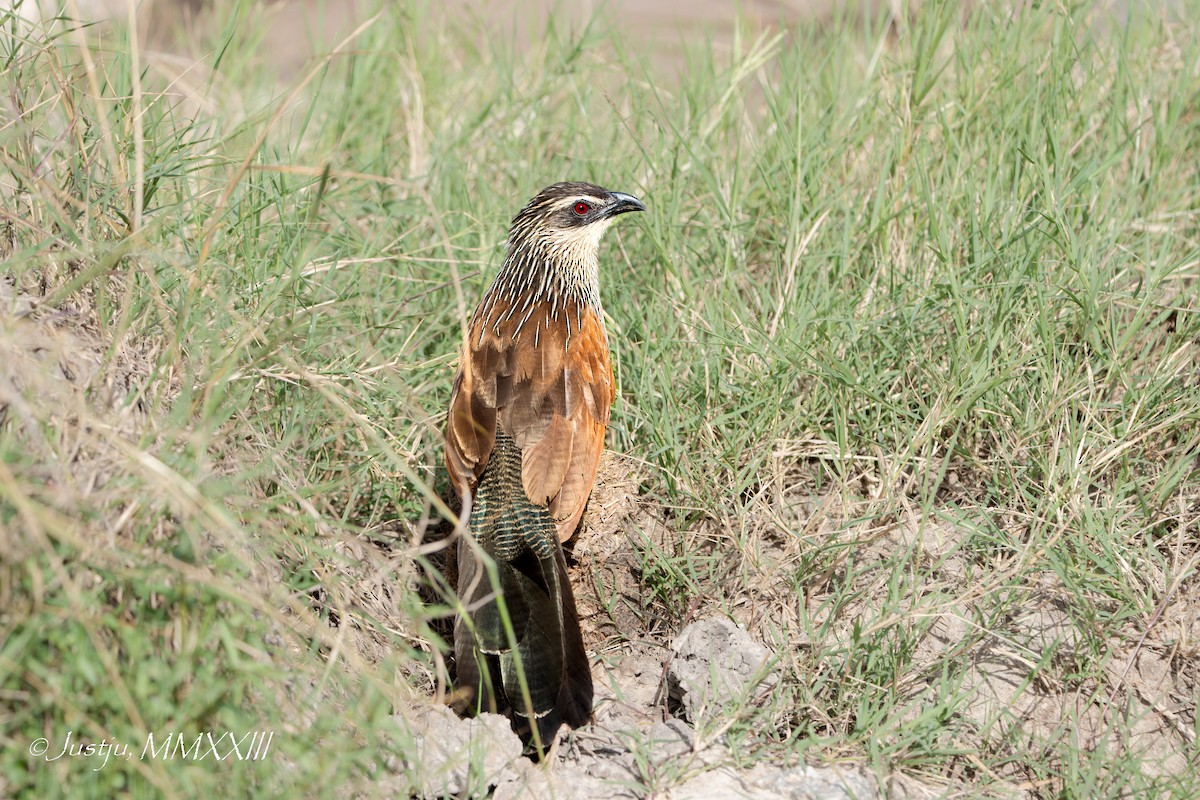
x=520 y=650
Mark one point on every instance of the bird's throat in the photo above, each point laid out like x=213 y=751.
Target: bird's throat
x=548 y=272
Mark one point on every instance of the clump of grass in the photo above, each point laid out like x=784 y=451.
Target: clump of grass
x=906 y=343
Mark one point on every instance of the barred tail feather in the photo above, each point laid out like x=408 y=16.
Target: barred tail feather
x=525 y=626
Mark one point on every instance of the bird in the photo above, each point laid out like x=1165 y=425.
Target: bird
x=525 y=430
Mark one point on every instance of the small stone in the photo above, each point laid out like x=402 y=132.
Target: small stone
x=716 y=663
x=780 y=783
x=454 y=755
x=669 y=740
x=561 y=782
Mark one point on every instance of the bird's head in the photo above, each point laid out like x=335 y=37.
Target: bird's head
x=566 y=220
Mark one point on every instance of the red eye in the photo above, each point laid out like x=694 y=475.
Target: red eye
x=582 y=208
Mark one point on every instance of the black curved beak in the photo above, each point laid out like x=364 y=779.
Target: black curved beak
x=624 y=203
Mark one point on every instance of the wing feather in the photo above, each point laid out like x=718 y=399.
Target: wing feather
x=550 y=391
x=544 y=465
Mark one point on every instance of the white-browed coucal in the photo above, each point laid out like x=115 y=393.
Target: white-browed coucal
x=525 y=432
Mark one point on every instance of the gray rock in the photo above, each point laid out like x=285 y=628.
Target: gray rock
x=716 y=663
x=779 y=783
x=561 y=782
x=452 y=756
x=670 y=739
